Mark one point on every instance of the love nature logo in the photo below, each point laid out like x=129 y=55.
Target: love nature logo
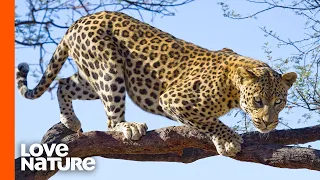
x=39 y=157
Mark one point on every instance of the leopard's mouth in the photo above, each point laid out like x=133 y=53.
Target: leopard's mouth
x=262 y=127
x=264 y=131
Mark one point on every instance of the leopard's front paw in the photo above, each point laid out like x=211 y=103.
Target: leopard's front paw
x=229 y=145
x=131 y=130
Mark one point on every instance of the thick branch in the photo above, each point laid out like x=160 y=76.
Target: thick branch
x=182 y=144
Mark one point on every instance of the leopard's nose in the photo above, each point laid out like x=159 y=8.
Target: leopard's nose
x=267 y=123
x=267 y=120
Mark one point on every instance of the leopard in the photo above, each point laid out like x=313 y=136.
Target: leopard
x=117 y=55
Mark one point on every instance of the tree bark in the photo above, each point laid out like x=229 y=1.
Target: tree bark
x=183 y=144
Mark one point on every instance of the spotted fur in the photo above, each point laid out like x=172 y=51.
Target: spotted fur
x=164 y=75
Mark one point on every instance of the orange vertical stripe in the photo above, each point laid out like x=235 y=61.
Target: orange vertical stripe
x=7 y=90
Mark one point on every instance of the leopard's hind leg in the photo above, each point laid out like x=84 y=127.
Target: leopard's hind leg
x=72 y=88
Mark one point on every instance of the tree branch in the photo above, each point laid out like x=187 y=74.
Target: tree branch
x=182 y=144
x=19 y=23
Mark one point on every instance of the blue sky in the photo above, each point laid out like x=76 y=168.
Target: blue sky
x=202 y=23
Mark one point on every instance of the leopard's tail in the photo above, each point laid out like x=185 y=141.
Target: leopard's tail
x=59 y=57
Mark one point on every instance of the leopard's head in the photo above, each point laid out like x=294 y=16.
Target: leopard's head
x=263 y=94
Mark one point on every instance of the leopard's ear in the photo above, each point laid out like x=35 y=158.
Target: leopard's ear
x=289 y=78
x=245 y=75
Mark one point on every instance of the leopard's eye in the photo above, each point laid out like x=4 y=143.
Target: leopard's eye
x=278 y=101
x=257 y=100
